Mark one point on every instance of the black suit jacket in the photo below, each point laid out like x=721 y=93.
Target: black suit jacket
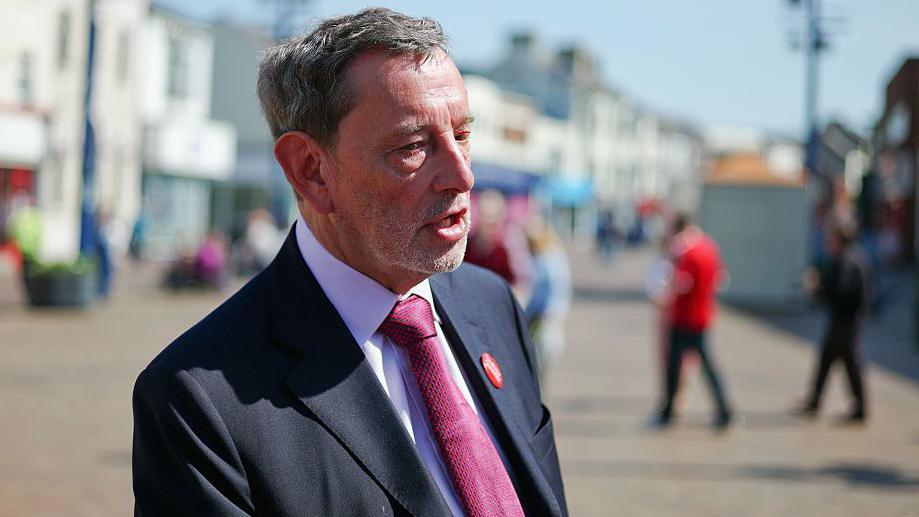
x=268 y=407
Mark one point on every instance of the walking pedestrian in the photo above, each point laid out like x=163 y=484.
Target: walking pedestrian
x=550 y=300
x=842 y=285
x=696 y=272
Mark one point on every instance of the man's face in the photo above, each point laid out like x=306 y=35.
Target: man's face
x=399 y=171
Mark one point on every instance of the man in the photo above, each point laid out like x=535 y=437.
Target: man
x=696 y=273
x=359 y=374
x=843 y=286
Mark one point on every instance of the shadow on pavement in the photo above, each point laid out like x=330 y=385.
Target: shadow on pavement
x=609 y=295
x=593 y=404
x=597 y=416
x=602 y=416
x=863 y=475
x=746 y=420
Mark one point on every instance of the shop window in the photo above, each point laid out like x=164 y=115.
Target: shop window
x=124 y=56
x=26 y=92
x=63 y=38
x=178 y=68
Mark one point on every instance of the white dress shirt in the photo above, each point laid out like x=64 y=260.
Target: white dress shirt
x=363 y=305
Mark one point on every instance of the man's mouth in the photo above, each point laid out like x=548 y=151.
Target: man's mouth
x=453 y=225
x=449 y=220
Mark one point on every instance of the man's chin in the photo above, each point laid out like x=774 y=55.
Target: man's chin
x=450 y=260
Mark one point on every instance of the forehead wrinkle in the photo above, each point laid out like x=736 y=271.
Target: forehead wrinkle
x=440 y=115
x=424 y=99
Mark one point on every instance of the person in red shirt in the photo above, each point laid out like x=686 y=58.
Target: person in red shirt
x=696 y=272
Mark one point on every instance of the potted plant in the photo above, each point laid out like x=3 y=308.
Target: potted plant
x=61 y=284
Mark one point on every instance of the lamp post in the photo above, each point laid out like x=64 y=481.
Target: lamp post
x=814 y=43
x=87 y=217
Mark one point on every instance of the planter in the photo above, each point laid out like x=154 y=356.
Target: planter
x=60 y=289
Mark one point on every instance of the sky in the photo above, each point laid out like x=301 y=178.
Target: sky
x=706 y=62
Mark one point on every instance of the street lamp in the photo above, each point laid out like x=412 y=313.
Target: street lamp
x=814 y=43
x=87 y=217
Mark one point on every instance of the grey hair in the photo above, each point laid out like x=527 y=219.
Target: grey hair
x=301 y=84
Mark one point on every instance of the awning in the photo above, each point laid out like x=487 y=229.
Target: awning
x=505 y=180
x=23 y=139
x=570 y=191
x=203 y=149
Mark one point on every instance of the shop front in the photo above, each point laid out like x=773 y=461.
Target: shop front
x=182 y=165
x=23 y=144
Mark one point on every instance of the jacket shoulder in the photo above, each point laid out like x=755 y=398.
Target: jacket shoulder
x=477 y=279
x=239 y=322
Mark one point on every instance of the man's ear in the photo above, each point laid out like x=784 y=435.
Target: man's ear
x=301 y=157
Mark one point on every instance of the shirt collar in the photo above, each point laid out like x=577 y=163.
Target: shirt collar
x=362 y=302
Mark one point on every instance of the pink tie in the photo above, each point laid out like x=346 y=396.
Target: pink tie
x=476 y=469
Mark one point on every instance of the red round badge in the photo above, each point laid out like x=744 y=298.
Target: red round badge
x=492 y=370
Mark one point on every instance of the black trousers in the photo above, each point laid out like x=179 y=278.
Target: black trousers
x=841 y=344
x=680 y=341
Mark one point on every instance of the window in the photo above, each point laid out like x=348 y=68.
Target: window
x=25 y=79
x=123 y=58
x=63 y=38
x=178 y=68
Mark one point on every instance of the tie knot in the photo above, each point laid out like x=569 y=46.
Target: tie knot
x=410 y=321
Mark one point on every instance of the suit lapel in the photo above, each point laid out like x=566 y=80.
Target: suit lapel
x=469 y=340
x=335 y=382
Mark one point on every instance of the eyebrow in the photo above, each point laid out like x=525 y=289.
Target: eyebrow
x=408 y=128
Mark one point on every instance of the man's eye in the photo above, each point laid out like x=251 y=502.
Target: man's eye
x=462 y=136
x=414 y=146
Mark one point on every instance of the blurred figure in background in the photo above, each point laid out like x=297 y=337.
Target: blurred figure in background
x=606 y=235
x=658 y=287
x=138 y=237
x=25 y=229
x=696 y=273
x=550 y=299
x=204 y=266
x=843 y=285
x=211 y=260
x=105 y=267
x=489 y=243
x=261 y=241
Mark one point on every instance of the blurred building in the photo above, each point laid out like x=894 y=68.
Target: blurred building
x=784 y=156
x=896 y=145
x=680 y=156
x=514 y=145
x=760 y=221
x=555 y=86
x=596 y=146
x=116 y=115
x=186 y=152
x=156 y=150
x=844 y=157
x=256 y=181
x=24 y=111
x=43 y=71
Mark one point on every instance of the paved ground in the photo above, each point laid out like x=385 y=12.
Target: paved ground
x=66 y=377
x=602 y=392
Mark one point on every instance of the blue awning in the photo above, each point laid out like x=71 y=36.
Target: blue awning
x=568 y=191
x=505 y=180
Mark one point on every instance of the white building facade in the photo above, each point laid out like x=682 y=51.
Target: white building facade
x=598 y=149
x=185 y=151
x=43 y=66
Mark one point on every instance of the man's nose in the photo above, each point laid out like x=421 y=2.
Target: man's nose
x=455 y=170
